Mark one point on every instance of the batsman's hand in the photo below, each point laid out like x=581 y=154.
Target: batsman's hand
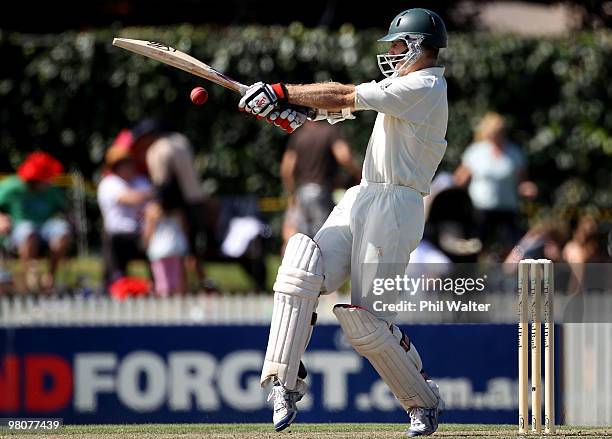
x=289 y=117
x=260 y=99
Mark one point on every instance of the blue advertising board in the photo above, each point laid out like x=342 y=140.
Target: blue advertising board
x=211 y=374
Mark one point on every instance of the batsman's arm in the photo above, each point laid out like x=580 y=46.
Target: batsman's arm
x=331 y=101
x=330 y=96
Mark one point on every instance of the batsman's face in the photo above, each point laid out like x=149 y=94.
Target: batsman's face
x=400 y=56
x=398 y=47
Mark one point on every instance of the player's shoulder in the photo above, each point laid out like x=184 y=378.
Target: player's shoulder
x=432 y=77
x=428 y=75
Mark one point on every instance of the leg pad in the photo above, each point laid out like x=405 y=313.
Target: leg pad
x=391 y=353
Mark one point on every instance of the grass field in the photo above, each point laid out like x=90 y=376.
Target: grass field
x=298 y=431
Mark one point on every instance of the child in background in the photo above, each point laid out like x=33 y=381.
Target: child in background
x=166 y=243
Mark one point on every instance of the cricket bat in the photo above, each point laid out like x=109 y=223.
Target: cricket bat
x=175 y=58
x=180 y=60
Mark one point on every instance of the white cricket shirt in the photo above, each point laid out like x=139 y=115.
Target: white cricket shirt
x=408 y=138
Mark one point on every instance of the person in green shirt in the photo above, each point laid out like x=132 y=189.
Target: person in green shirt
x=31 y=213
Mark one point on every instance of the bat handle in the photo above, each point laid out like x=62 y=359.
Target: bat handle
x=310 y=112
x=242 y=89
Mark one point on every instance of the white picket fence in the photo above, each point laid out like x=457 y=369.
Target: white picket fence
x=205 y=309
x=224 y=309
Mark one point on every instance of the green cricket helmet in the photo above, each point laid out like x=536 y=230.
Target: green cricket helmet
x=417 y=27
x=415 y=22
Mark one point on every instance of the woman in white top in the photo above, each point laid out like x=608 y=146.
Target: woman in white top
x=493 y=169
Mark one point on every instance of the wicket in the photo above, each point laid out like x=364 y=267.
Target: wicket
x=537 y=277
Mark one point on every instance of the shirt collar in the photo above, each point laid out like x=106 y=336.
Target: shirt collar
x=436 y=70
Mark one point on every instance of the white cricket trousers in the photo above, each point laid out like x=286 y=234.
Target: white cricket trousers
x=370 y=234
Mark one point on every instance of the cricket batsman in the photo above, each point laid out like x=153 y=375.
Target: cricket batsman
x=376 y=225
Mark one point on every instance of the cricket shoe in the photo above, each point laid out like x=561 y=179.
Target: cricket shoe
x=285 y=409
x=424 y=421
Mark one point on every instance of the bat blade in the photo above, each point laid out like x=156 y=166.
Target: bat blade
x=180 y=60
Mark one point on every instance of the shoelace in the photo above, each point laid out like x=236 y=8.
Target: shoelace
x=414 y=416
x=276 y=390
x=414 y=412
x=280 y=397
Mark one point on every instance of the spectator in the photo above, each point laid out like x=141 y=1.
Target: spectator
x=240 y=235
x=170 y=161
x=164 y=238
x=589 y=242
x=493 y=168
x=450 y=233
x=32 y=210
x=309 y=170
x=543 y=241
x=122 y=194
x=585 y=253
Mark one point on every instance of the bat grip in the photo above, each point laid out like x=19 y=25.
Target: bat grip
x=242 y=89
x=310 y=112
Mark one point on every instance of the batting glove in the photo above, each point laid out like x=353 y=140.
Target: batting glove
x=260 y=99
x=289 y=117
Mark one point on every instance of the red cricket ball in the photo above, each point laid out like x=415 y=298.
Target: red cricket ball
x=199 y=95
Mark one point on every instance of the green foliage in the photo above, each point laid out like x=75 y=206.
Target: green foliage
x=71 y=93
